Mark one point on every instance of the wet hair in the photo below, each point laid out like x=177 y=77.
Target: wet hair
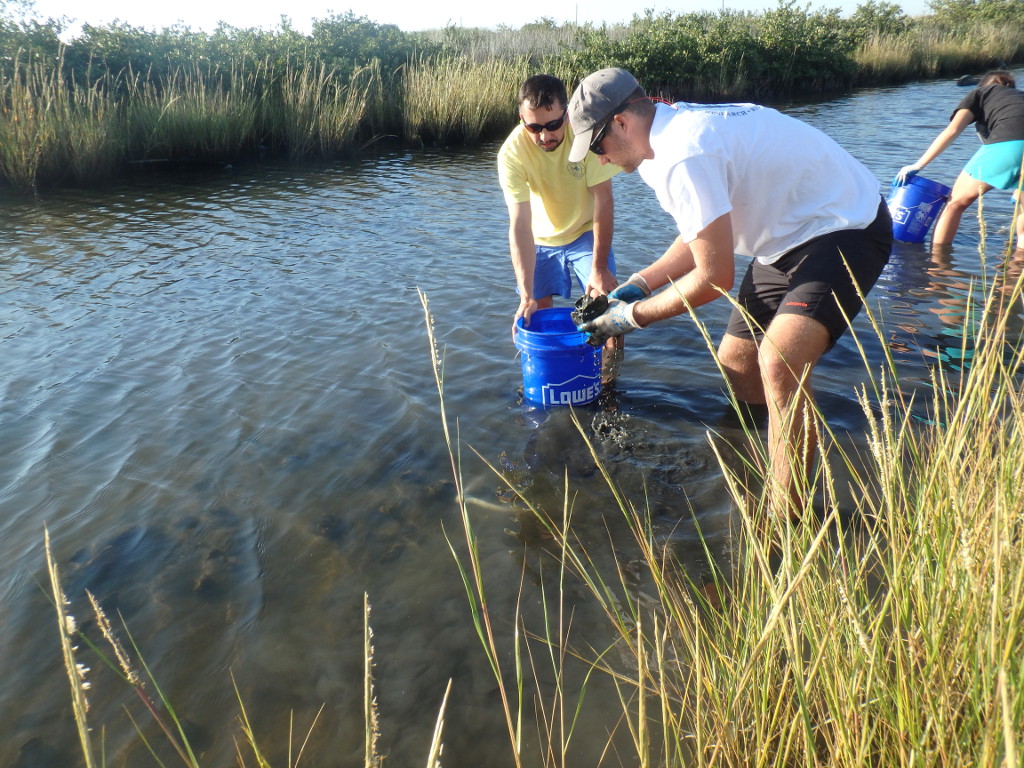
x=543 y=91
x=998 y=77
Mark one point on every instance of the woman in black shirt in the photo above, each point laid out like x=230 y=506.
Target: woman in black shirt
x=997 y=109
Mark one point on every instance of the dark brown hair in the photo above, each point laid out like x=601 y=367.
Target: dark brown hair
x=542 y=91
x=998 y=77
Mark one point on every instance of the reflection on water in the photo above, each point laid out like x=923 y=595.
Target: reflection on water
x=217 y=395
x=935 y=323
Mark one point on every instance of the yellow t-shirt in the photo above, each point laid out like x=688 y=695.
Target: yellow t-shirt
x=558 y=191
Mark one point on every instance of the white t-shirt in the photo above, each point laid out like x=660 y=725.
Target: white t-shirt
x=783 y=181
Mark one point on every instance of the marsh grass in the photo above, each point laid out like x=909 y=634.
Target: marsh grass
x=53 y=129
x=454 y=100
x=75 y=672
x=886 y=627
x=931 y=52
x=318 y=116
x=193 y=113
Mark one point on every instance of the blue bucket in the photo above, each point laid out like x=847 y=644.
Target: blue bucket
x=559 y=366
x=914 y=206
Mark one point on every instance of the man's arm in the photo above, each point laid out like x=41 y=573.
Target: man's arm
x=701 y=270
x=524 y=256
x=602 y=281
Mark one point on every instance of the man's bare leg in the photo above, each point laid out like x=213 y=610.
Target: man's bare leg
x=792 y=346
x=775 y=372
x=738 y=358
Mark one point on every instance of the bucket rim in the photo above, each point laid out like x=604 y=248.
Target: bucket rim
x=928 y=184
x=553 y=313
x=567 y=311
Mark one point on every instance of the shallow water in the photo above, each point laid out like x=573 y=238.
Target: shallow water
x=217 y=394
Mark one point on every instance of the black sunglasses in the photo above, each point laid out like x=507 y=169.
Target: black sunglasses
x=595 y=145
x=553 y=125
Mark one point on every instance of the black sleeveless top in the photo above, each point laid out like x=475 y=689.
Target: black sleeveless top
x=998 y=113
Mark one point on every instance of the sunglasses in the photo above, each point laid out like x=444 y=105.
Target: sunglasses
x=595 y=145
x=551 y=126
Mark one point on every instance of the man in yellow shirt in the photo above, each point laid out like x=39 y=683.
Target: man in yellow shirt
x=560 y=213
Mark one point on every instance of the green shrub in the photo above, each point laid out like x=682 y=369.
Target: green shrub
x=804 y=52
x=958 y=16
x=346 y=42
x=725 y=54
x=877 y=19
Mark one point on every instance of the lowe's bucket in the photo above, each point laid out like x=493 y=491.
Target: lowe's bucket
x=559 y=366
x=914 y=206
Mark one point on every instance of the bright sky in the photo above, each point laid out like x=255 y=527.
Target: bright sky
x=410 y=15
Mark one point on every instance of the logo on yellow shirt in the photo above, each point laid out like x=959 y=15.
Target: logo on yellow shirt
x=576 y=170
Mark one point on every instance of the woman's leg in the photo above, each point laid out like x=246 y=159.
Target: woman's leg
x=966 y=190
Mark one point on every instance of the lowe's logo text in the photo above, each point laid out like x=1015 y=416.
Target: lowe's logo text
x=563 y=394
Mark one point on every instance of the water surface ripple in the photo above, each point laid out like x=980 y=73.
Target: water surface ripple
x=217 y=394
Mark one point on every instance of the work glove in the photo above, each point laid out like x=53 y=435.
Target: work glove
x=905 y=174
x=615 y=321
x=634 y=289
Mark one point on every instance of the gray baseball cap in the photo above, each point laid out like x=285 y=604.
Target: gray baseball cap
x=600 y=95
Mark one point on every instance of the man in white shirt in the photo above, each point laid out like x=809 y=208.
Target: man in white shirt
x=745 y=179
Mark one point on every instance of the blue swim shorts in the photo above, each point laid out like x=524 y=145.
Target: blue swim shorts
x=556 y=266
x=998 y=165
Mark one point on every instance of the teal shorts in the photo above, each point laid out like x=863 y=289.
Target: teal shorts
x=558 y=265
x=998 y=165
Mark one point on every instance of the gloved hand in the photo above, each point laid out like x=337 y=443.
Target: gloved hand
x=616 y=321
x=906 y=172
x=634 y=289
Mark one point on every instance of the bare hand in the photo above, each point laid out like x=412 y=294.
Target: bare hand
x=526 y=309
x=601 y=282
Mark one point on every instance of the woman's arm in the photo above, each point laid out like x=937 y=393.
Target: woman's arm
x=961 y=119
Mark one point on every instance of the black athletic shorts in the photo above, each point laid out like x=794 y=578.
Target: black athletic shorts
x=813 y=280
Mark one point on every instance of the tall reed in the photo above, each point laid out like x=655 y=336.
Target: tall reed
x=930 y=52
x=75 y=671
x=471 y=570
x=317 y=115
x=92 y=124
x=54 y=128
x=450 y=99
x=167 y=99
x=50 y=128
x=194 y=113
x=26 y=131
